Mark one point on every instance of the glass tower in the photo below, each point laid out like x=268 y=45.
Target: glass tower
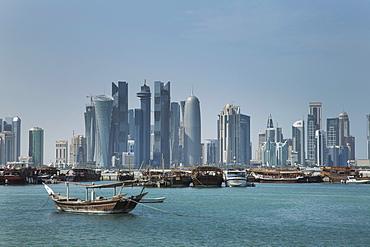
x=36 y=146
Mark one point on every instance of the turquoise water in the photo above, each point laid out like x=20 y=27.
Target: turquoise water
x=266 y=215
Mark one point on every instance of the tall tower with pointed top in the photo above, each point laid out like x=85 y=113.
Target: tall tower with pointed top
x=142 y=132
x=192 y=132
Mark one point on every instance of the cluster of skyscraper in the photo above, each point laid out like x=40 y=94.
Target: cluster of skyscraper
x=122 y=137
x=333 y=147
x=10 y=143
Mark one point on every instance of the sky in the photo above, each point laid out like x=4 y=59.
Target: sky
x=267 y=57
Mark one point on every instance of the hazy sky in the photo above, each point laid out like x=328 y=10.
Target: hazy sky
x=268 y=57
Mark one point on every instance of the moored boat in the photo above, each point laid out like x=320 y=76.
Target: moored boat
x=278 y=176
x=153 y=200
x=235 y=178
x=116 y=204
x=85 y=175
x=207 y=176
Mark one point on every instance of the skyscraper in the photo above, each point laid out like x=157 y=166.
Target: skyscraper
x=36 y=146
x=298 y=141
x=320 y=148
x=61 y=152
x=345 y=139
x=174 y=134
x=313 y=124
x=332 y=132
x=16 y=126
x=77 y=153
x=368 y=135
x=315 y=109
x=103 y=111
x=234 y=136
x=119 y=125
x=90 y=132
x=161 y=145
x=192 y=132
x=270 y=130
x=211 y=152
x=6 y=147
x=142 y=127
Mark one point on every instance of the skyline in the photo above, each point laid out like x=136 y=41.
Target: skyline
x=271 y=57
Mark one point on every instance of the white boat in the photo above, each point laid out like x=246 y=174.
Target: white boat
x=356 y=181
x=153 y=200
x=235 y=178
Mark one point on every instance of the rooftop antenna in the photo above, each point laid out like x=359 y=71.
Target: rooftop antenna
x=192 y=93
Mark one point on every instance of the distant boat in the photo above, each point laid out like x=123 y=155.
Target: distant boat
x=207 y=176
x=278 y=176
x=85 y=175
x=116 y=204
x=235 y=178
x=153 y=200
x=352 y=180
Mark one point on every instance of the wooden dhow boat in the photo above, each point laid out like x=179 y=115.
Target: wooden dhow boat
x=117 y=204
x=207 y=176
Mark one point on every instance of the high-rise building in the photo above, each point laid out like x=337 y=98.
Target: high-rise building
x=13 y=124
x=320 y=148
x=174 y=134
x=314 y=123
x=368 y=135
x=311 y=141
x=298 y=142
x=211 y=152
x=332 y=132
x=270 y=130
x=315 y=109
x=77 y=153
x=142 y=128
x=131 y=124
x=192 y=132
x=61 y=152
x=90 y=132
x=119 y=125
x=261 y=140
x=234 y=136
x=345 y=139
x=36 y=146
x=103 y=112
x=161 y=145
x=7 y=141
x=337 y=156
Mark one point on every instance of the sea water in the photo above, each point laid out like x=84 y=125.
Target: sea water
x=265 y=215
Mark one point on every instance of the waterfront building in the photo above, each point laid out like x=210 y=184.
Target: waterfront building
x=142 y=127
x=234 y=136
x=131 y=124
x=162 y=106
x=315 y=109
x=345 y=139
x=119 y=125
x=320 y=147
x=36 y=146
x=90 y=132
x=210 y=152
x=282 y=155
x=192 y=132
x=77 y=155
x=314 y=123
x=270 y=130
x=103 y=112
x=174 y=134
x=261 y=140
x=298 y=143
x=337 y=156
x=7 y=150
x=13 y=124
x=311 y=142
x=332 y=132
x=368 y=135
x=269 y=153
x=61 y=152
